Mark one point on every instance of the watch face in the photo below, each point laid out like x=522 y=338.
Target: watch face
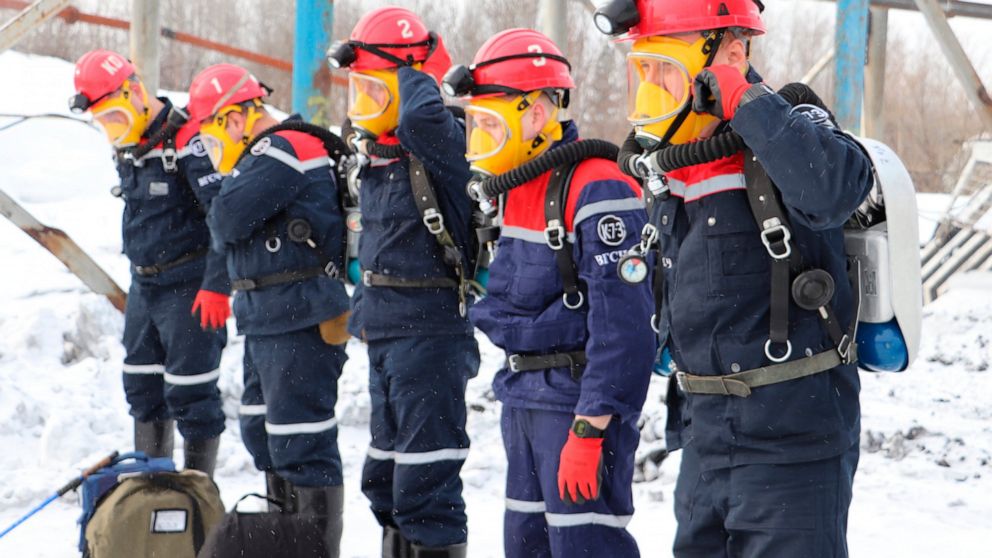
x=583 y=429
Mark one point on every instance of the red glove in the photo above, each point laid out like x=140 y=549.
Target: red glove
x=717 y=90
x=580 y=471
x=214 y=309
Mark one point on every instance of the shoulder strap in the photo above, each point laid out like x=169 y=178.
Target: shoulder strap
x=555 y=199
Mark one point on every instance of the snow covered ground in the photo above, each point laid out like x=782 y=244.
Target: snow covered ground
x=924 y=487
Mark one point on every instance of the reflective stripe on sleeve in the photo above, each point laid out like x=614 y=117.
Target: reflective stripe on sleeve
x=291 y=161
x=251 y=410
x=606 y=206
x=422 y=458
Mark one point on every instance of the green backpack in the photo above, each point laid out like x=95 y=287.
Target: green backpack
x=155 y=515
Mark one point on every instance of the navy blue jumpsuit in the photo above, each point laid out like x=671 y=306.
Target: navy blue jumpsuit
x=524 y=313
x=421 y=351
x=290 y=373
x=171 y=365
x=770 y=474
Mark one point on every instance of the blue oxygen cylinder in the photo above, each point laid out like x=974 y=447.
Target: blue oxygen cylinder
x=882 y=347
x=482 y=277
x=663 y=363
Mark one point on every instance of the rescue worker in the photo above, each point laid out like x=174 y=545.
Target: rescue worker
x=756 y=308
x=579 y=346
x=278 y=219
x=410 y=306
x=172 y=360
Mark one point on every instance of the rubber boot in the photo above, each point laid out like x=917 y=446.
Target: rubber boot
x=155 y=439
x=281 y=490
x=453 y=551
x=393 y=544
x=326 y=505
x=202 y=455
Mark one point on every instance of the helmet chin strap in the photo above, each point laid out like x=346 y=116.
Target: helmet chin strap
x=710 y=47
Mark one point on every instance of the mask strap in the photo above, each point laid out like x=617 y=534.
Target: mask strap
x=710 y=47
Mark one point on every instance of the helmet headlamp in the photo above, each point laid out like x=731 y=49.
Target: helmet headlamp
x=616 y=17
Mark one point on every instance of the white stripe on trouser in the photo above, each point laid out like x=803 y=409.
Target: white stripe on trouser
x=525 y=506
x=144 y=368
x=589 y=518
x=423 y=458
x=192 y=380
x=300 y=427
x=251 y=410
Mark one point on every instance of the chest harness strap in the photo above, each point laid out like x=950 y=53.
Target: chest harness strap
x=810 y=288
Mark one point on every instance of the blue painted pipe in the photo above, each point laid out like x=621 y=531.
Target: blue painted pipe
x=851 y=43
x=314 y=22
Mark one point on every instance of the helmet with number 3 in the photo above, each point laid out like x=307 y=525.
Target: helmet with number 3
x=508 y=78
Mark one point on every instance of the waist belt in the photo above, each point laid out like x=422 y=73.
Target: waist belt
x=153 y=270
x=293 y=276
x=575 y=361
x=740 y=384
x=370 y=279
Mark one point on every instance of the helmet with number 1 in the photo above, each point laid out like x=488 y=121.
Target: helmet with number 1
x=105 y=84
x=383 y=40
x=663 y=61
x=214 y=94
x=512 y=72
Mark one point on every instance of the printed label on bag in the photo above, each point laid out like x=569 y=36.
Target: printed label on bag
x=169 y=521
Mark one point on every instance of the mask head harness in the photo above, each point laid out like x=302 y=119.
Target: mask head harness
x=460 y=82
x=342 y=54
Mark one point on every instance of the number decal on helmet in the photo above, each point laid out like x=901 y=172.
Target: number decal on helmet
x=406 y=33
x=216 y=85
x=540 y=61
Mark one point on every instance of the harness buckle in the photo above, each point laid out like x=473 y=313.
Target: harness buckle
x=649 y=236
x=554 y=235
x=513 y=362
x=680 y=381
x=331 y=270
x=273 y=244
x=169 y=159
x=434 y=221
x=776 y=236
x=367 y=277
x=578 y=303
x=844 y=349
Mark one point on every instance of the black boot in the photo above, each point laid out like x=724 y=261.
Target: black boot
x=453 y=551
x=202 y=455
x=393 y=544
x=325 y=504
x=155 y=439
x=280 y=490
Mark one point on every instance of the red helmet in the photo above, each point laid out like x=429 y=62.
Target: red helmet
x=515 y=60
x=100 y=73
x=645 y=18
x=389 y=26
x=219 y=86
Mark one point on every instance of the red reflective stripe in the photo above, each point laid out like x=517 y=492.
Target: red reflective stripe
x=306 y=146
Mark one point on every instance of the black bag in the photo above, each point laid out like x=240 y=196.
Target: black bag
x=264 y=535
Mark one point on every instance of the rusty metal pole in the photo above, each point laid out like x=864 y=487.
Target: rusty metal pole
x=32 y=16
x=145 y=29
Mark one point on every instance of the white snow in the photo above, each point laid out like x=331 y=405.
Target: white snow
x=924 y=486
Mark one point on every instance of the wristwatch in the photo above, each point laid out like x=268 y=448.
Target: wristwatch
x=583 y=429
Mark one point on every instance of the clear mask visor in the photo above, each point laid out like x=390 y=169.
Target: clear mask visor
x=658 y=87
x=486 y=132
x=116 y=122
x=368 y=96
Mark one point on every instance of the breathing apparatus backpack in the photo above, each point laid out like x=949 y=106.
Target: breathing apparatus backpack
x=881 y=240
x=343 y=166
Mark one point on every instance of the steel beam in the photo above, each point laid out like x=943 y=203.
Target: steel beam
x=146 y=16
x=31 y=17
x=958 y=58
x=874 y=114
x=950 y=8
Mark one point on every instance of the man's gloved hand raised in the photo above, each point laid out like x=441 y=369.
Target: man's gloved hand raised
x=722 y=89
x=214 y=309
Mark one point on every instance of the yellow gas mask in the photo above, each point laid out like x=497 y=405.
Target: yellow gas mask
x=373 y=101
x=494 y=130
x=122 y=123
x=223 y=150
x=660 y=71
